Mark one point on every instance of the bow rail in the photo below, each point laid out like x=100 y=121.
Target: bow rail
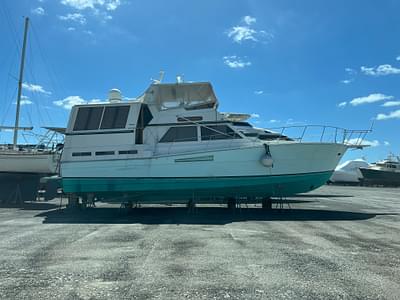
x=324 y=134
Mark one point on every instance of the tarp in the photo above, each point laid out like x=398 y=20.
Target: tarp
x=180 y=94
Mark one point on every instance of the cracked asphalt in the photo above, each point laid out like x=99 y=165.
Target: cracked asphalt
x=334 y=243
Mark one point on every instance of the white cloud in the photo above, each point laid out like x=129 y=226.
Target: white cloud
x=273 y=121
x=255 y=116
x=370 y=99
x=398 y=57
x=75 y=17
x=24 y=100
x=244 y=32
x=381 y=70
x=350 y=71
x=35 y=88
x=392 y=115
x=89 y=32
x=386 y=143
x=71 y=28
x=391 y=103
x=235 y=62
x=92 y=4
x=113 y=5
x=347 y=81
x=249 y=20
x=38 y=11
x=259 y=92
x=70 y=101
x=359 y=141
x=342 y=104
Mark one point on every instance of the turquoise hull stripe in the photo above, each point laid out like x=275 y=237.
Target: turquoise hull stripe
x=184 y=188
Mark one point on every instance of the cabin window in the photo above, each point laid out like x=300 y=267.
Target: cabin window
x=188 y=119
x=180 y=134
x=115 y=117
x=218 y=132
x=243 y=124
x=81 y=153
x=144 y=119
x=127 y=152
x=105 y=153
x=88 y=118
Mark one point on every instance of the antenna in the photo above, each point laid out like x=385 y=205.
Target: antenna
x=158 y=81
x=161 y=76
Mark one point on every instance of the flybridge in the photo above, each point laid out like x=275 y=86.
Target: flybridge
x=160 y=104
x=190 y=96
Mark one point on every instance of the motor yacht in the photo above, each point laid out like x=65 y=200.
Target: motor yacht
x=385 y=172
x=172 y=144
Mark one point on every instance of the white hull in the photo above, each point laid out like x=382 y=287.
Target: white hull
x=349 y=171
x=344 y=176
x=288 y=158
x=20 y=162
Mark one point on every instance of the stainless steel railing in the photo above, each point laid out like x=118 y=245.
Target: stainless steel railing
x=323 y=133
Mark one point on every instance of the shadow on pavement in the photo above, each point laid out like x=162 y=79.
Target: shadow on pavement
x=30 y=205
x=321 y=196
x=202 y=215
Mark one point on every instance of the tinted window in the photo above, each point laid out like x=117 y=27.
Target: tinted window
x=127 y=152
x=105 y=153
x=88 y=118
x=115 y=117
x=218 y=132
x=81 y=154
x=147 y=116
x=144 y=118
x=245 y=124
x=180 y=134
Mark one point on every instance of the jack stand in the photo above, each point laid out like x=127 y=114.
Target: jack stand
x=73 y=201
x=231 y=204
x=266 y=203
x=191 y=206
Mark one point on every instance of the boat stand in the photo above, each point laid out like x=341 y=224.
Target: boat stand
x=281 y=203
x=266 y=203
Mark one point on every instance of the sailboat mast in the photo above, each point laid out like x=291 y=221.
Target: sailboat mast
x=21 y=75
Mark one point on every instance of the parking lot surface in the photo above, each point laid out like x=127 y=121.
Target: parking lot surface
x=334 y=243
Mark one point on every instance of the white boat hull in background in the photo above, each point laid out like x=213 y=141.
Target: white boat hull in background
x=343 y=176
x=349 y=172
x=18 y=162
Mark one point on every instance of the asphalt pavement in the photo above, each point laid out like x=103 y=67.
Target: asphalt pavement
x=334 y=243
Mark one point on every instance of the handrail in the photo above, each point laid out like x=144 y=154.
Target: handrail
x=351 y=137
x=202 y=125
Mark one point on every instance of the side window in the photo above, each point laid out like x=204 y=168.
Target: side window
x=180 y=134
x=88 y=118
x=218 y=132
x=144 y=119
x=115 y=117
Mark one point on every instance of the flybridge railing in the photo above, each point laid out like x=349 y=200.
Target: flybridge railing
x=324 y=134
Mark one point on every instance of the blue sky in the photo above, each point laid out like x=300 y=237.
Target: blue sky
x=287 y=62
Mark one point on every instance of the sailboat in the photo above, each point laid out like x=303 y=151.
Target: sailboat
x=26 y=159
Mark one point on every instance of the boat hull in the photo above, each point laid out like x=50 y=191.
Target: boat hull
x=26 y=163
x=297 y=168
x=380 y=177
x=158 y=189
